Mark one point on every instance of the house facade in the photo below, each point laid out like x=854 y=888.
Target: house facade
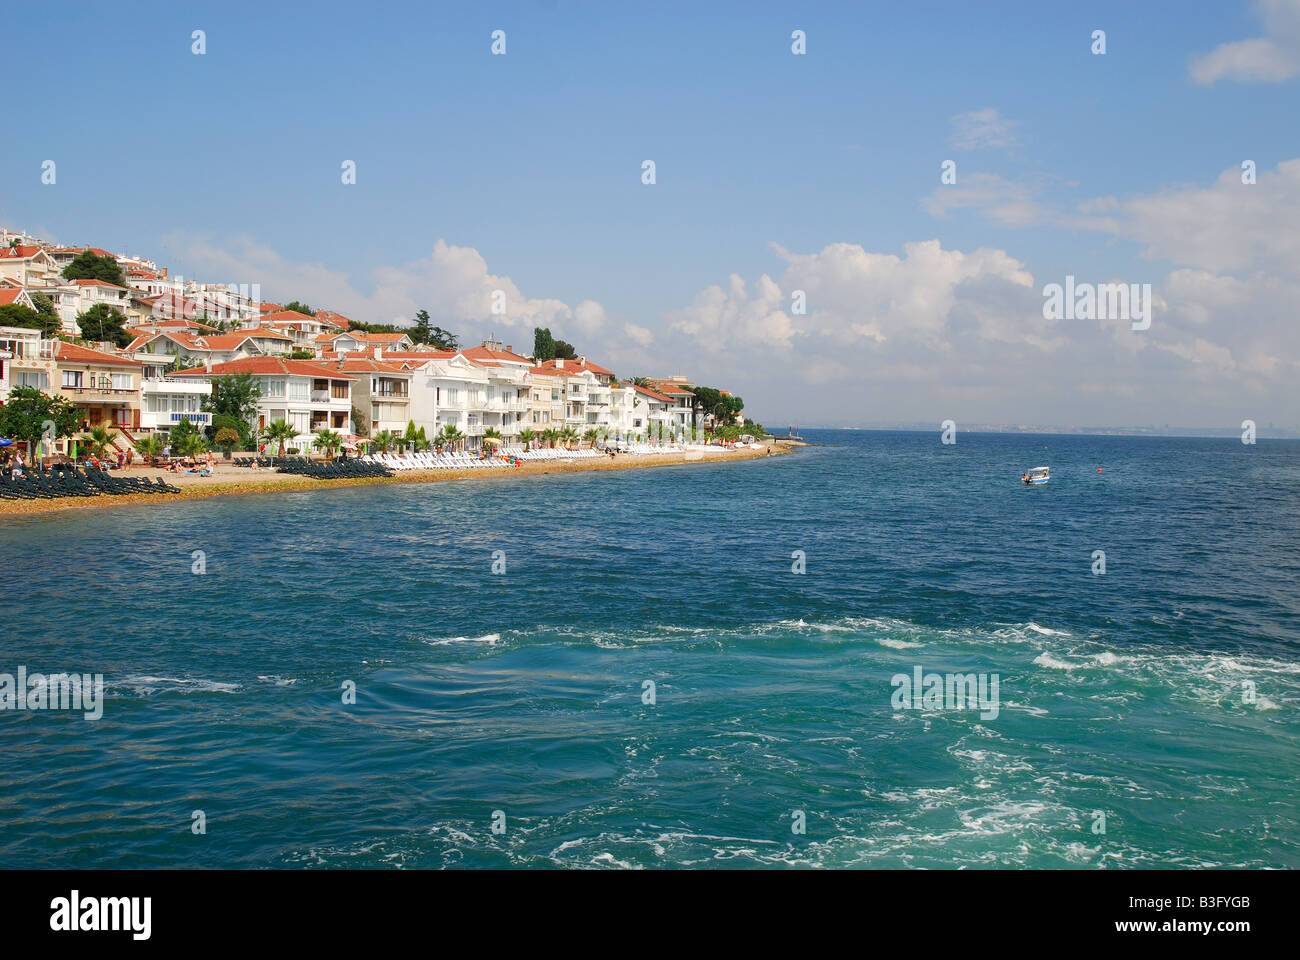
x=309 y=396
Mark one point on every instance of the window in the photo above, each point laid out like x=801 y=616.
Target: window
x=123 y=381
x=72 y=378
x=274 y=387
x=339 y=389
x=298 y=389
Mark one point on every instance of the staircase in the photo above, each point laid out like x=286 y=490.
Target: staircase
x=122 y=432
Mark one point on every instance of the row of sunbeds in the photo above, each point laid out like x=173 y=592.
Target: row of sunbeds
x=65 y=480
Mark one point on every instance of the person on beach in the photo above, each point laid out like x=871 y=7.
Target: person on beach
x=130 y=456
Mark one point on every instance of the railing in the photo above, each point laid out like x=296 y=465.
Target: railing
x=101 y=391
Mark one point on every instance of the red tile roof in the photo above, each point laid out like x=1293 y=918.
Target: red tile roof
x=362 y=364
x=281 y=315
x=483 y=353
x=582 y=363
x=656 y=395
x=19 y=252
x=270 y=365
x=73 y=353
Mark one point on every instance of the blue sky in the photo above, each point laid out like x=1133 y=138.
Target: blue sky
x=231 y=161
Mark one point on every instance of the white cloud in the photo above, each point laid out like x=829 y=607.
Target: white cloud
x=720 y=318
x=453 y=283
x=1269 y=59
x=984 y=128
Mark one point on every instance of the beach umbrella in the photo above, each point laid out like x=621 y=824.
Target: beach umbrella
x=6 y=443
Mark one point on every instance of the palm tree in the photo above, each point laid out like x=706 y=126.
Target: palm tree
x=384 y=440
x=568 y=435
x=550 y=435
x=590 y=436
x=527 y=436
x=329 y=441
x=281 y=432
x=191 y=444
x=149 y=446
x=99 y=439
x=451 y=435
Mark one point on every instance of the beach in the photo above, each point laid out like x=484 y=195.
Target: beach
x=229 y=480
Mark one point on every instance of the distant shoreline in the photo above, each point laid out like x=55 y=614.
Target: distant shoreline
x=985 y=430
x=241 y=481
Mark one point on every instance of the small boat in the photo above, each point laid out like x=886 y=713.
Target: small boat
x=1036 y=475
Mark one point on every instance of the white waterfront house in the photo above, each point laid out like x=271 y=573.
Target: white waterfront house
x=309 y=395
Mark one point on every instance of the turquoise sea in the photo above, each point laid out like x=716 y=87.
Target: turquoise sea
x=1160 y=695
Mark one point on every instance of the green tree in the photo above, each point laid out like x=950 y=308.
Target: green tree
x=590 y=436
x=149 y=446
x=280 y=432
x=16 y=315
x=226 y=438
x=411 y=437
x=297 y=306
x=421 y=329
x=720 y=407
x=25 y=413
x=329 y=441
x=384 y=440
x=565 y=351
x=234 y=396
x=527 y=436
x=91 y=266
x=99 y=439
x=102 y=322
x=44 y=305
x=442 y=339
x=185 y=438
x=451 y=435
x=360 y=425
x=543 y=344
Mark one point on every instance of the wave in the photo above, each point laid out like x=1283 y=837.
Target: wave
x=147 y=686
x=491 y=639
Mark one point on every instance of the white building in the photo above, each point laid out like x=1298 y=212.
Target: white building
x=309 y=395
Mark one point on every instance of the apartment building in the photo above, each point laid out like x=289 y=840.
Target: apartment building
x=310 y=396
x=382 y=393
x=25 y=360
x=105 y=387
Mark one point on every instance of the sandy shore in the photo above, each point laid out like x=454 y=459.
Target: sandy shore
x=229 y=480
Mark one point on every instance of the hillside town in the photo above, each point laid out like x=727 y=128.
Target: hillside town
x=138 y=352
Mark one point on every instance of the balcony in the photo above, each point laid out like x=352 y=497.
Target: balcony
x=101 y=394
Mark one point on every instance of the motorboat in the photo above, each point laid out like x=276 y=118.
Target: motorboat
x=1036 y=475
